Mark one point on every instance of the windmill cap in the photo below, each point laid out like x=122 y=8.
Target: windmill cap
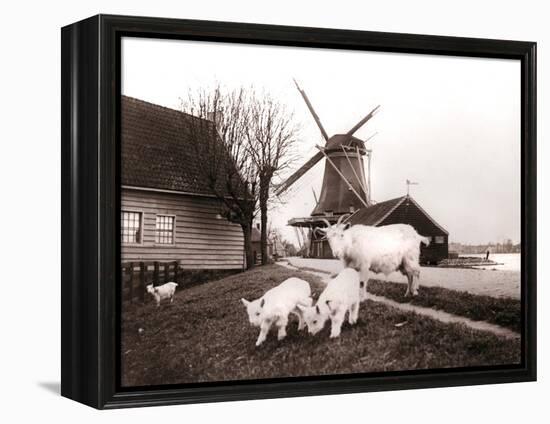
x=338 y=140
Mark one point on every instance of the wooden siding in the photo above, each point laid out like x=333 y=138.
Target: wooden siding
x=202 y=240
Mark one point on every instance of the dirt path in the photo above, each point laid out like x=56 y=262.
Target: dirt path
x=432 y=313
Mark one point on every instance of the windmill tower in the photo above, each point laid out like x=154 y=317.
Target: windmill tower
x=344 y=187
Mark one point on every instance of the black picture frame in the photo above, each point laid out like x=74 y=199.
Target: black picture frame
x=91 y=195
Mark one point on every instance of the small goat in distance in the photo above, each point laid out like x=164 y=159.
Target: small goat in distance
x=159 y=293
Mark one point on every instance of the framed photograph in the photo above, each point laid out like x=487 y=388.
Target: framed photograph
x=254 y=211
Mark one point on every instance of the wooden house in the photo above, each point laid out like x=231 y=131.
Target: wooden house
x=167 y=211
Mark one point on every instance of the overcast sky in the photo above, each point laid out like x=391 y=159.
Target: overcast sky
x=450 y=124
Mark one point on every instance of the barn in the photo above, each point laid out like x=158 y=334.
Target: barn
x=167 y=211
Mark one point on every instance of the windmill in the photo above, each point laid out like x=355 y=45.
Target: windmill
x=344 y=188
x=344 y=185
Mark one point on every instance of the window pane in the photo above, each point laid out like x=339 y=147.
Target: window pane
x=130 y=227
x=164 y=233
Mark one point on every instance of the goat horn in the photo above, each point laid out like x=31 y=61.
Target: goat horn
x=318 y=229
x=326 y=221
x=341 y=218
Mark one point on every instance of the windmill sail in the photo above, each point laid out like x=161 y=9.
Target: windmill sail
x=294 y=177
x=310 y=107
x=338 y=193
x=362 y=121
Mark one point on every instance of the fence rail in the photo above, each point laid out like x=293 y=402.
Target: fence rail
x=136 y=276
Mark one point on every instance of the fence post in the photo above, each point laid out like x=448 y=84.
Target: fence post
x=142 y=281
x=167 y=272
x=156 y=274
x=176 y=272
x=130 y=271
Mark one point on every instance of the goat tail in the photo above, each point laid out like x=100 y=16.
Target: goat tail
x=425 y=240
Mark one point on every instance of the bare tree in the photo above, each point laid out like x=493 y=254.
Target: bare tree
x=272 y=135
x=242 y=141
x=217 y=134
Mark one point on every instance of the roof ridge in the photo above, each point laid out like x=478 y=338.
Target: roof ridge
x=428 y=215
x=394 y=207
x=156 y=105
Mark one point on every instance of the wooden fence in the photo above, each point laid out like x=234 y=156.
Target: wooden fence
x=137 y=275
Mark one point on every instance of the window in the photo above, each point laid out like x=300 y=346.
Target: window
x=130 y=227
x=164 y=233
x=439 y=239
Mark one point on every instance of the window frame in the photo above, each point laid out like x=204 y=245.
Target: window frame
x=141 y=226
x=442 y=238
x=156 y=243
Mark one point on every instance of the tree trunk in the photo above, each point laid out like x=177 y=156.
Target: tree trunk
x=249 y=254
x=264 y=197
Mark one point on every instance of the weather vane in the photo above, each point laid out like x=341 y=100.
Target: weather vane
x=409 y=184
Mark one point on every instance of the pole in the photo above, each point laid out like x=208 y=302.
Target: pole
x=368 y=170
x=359 y=180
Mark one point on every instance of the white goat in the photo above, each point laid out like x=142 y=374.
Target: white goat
x=342 y=294
x=166 y=291
x=384 y=249
x=275 y=306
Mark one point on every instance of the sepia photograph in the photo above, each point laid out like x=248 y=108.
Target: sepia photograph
x=301 y=212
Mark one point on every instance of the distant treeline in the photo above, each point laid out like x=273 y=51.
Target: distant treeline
x=505 y=247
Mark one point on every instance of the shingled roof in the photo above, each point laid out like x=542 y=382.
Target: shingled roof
x=374 y=214
x=156 y=150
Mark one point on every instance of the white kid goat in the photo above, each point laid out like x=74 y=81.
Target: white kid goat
x=166 y=291
x=343 y=293
x=384 y=249
x=274 y=307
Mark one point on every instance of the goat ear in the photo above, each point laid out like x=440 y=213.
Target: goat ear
x=317 y=309
x=301 y=307
x=245 y=302
x=262 y=303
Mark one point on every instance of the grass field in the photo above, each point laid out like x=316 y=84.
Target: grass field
x=505 y=312
x=205 y=336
